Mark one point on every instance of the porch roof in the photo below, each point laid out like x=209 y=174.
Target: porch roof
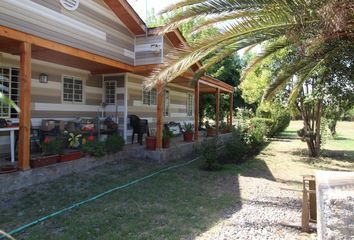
x=51 y=51
x=207 y=84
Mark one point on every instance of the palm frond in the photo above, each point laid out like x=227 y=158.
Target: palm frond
x=274 y=11
x=306 y=73
x=305 y=66
x=208 y=8
x=272 y=48
x=179 y=62
x=8 y=101
x=283 y=77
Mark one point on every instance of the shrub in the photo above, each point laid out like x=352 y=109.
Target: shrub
x=95 y=148
x=236 y=147
x=246 y=140
x=263 y=123
x=52 y=147
x=114 y=143
x=209 y=154
x=279 y=114
x=256 y=135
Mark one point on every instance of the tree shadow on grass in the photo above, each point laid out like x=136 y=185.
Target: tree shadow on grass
x=256 y=168
x=338 y=155
x=343 y=139
x=287 y=134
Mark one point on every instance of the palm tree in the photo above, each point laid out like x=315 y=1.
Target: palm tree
x=315 y=30
x=304 y=25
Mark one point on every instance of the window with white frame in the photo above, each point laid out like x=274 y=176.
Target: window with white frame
x=110 y=92
x=189 y=106
x=10 y=87
x=149 y=97
x=73 y=90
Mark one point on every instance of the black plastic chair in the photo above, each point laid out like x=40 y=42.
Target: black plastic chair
x=140 y=126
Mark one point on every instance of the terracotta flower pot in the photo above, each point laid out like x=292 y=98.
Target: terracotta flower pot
x=211 y=132
x=8 y=169
x=70 y=156
x=188 y=136
x=42 y=161
x=150 y=143
x=166 y=143
x=223 y=131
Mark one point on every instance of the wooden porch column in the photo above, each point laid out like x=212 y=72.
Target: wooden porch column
x=231 y=108
x=159 y=115
x=196 y=111
x=217 y=112
x=25 y=105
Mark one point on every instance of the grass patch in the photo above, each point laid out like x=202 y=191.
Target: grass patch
x=182 y=202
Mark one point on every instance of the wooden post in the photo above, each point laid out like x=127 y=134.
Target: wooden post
x=25 y=105
x=312 y=199
x=196 y=111
x=217 y=111
x=231 y=108
x=305 y=216
x=159 y=115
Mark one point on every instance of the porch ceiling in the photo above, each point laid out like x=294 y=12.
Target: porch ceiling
x=11 y=46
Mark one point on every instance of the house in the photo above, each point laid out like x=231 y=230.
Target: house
x=61 y=59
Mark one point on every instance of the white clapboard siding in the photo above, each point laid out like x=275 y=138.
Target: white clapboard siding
x=48 y=14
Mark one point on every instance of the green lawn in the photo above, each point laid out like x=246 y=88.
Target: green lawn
x=179 y=204
x=182 y=203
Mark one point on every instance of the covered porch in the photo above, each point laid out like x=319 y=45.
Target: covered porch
x=205 y=85
x=28 y=48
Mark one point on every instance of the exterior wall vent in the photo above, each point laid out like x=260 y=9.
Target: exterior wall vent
x=70 y=5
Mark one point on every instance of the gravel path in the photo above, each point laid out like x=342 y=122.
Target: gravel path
x=267 y=212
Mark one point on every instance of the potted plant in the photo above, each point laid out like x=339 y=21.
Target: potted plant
x=50 y=153
x=224 y=128
x=151 y=141
x=114 y=143
x=188 y=132
x=211 y=131
x=74 y=143
x=94 y=148
x=166 y=138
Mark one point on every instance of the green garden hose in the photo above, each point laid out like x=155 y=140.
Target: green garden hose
x=78 y=204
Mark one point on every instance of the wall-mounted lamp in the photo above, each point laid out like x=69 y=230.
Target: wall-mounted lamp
x=43 y=78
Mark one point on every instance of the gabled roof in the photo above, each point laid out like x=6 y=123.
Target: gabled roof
x=136 y=25
x=127 y=15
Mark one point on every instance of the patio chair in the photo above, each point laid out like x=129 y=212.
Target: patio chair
x=35 y=140
x=140 y=126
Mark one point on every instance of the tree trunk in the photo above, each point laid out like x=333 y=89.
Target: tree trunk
x=311 y=116
x=318 y=128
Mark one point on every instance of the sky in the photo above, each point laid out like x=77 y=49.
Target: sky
x=140 y=6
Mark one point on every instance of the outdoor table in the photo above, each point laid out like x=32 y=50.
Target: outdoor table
x=12 y=139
